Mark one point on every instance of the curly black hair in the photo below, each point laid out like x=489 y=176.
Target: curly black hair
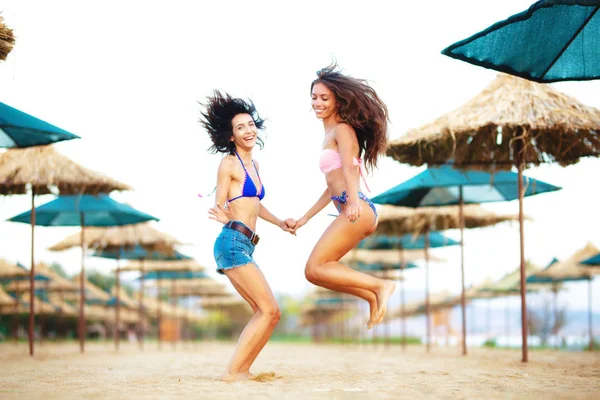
x=220 y=109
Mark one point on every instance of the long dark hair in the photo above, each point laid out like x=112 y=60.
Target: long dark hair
x=359 y=106
x=219 y=110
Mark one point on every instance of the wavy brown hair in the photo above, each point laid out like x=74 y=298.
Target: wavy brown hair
x=359 y=106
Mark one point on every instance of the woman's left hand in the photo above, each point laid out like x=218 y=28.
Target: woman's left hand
x=218 y=213
x=352 y=210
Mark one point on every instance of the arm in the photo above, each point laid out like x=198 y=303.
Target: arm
x=224 y=176
x=347 y=146
x=315 y=209
x=265 y=214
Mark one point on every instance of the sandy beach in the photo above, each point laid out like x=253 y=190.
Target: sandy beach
x=302 y=371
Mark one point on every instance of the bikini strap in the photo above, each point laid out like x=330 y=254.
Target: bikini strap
x=241 y=162
x=257 y=174
x=363 y=173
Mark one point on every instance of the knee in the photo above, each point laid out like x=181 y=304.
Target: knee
x=272 y=312
x=312 y=272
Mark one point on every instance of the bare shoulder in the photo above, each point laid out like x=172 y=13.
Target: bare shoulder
x=344 y=132
x=257 y=164
x=227 y=164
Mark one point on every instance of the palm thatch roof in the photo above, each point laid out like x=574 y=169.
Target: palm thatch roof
x=5 y=298
x=9 y=270
x=437 y=301
x=7 y=39
x=511 y=282
x=92 y=291
x=61 y=306
x=45 y=168
x=387 y=256
x=394 y=220
x=157 y=265
x=218 y=302
x=39 y=306
x=511 y=118
x=124 y=298
x=570 y=269
x=126 y=236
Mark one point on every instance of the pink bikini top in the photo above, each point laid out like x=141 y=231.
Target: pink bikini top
x=331 y=160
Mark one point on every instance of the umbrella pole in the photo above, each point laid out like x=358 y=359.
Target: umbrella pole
x=141 y=323
x=118 y=305
x=82 y=289
x=402 y=305
x=32 y=275
x=555 y=306
x=158 y=303
x=590 y=313
x=461 y=218
x=523 y=277
x=428 y=328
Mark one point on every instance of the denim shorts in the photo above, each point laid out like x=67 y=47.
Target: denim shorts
x=233 y=249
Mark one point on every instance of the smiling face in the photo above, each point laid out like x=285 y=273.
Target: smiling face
x=323 y=101
x=244 y=133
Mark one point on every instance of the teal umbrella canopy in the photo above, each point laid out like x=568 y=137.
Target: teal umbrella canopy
x=554 y=40
x=173 y=275
x=406 y=242
x=440 y=186
x=87 y=210
x=385 y=266
x=18 y=129
x=592 y=261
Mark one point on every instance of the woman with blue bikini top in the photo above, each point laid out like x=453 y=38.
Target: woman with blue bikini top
x=233 y=126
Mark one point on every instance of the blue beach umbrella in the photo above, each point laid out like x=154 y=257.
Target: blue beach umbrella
x=18 y=129
x=83 y=210
x=406 y=242
x=444 y=185
x=136 y=253
x=554 y=40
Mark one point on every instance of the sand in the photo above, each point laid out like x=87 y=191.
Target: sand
x=294 y=371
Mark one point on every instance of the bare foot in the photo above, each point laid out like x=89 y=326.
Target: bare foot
x=374 y=314
x=235 y=377
x=383 y=295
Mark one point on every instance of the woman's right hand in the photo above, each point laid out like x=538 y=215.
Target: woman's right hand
x=218 y=213
x=299 y=223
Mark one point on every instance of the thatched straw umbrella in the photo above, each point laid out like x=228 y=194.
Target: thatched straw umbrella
x=5 y=298
x=513 y=122
x=571 y=269
x=43 y=169
x=121 y=238
x=7 y=39
x=420 y=221
x=160 y=266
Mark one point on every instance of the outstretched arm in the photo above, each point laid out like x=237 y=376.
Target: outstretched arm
x=287 y=225
x=315 y=209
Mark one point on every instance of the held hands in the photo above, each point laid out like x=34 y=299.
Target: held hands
x=218 y=213
x=289 y=225
x=299 y=223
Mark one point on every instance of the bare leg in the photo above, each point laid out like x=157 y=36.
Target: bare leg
x=367 y=295
x=339 y=238
x=263 y=341
x=252 y=284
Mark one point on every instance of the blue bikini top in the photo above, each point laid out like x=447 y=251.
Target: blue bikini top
x=249 y=189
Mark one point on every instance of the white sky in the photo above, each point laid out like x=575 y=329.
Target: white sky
x=126 y=76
